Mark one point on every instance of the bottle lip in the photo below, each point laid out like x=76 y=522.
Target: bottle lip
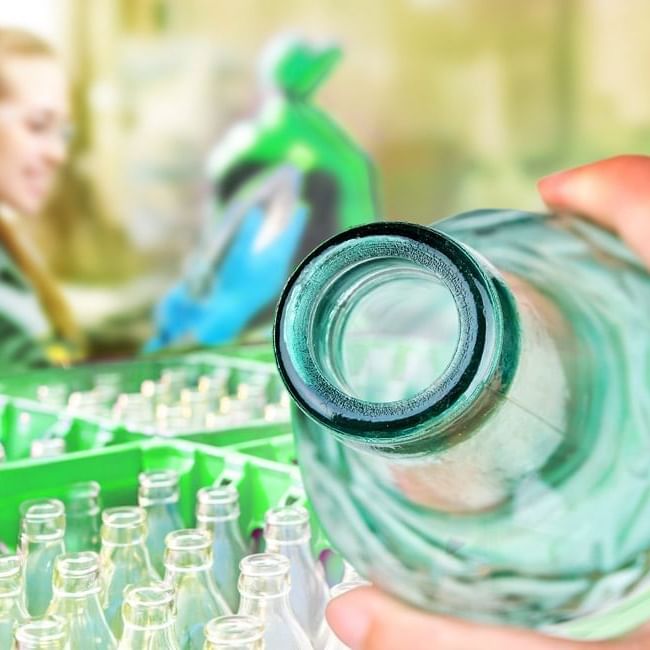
x=238 y=628
x=10 y=566
x=476 y=300
x=47 y=629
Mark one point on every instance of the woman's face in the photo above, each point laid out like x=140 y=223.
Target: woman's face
x=33 y=129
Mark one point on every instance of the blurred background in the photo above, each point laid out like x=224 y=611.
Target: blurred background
x=460 y=104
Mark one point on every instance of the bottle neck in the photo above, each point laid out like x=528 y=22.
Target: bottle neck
x=264 y=584
x=394 y=336
x=11 y=584
x=148 y=617
x=189 y=552
x=123 y=528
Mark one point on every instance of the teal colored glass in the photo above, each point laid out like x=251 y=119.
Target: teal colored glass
x=12 y=598
x=471 y=399
x=82 y=517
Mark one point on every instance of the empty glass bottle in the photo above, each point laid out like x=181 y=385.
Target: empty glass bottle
x=188 y=564
x=12 y=598
x=148 y=614
x=82 y=509
x=158 y=494
x=217 y=511
x=76 y=589
x=42 y=530
x=124 y=559
x=264 y=585
x=44 y=633
x=471 y=420
x=287 y=532
x=234 y=633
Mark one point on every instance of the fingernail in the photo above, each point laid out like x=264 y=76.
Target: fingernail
x=349 y=622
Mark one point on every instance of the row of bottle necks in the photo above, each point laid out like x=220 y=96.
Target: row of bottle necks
x=155 y=584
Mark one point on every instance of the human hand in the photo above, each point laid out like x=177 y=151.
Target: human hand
x=616 y=194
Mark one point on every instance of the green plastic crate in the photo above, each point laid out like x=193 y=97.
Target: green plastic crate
x=261 y=483
x=279 y=449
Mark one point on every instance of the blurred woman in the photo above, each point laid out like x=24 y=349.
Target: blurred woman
x=36 y=324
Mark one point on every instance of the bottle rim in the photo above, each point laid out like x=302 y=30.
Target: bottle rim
x=481 y=311
x=236 y=628
x=46 y=629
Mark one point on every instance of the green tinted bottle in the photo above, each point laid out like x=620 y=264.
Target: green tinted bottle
x=76 y=588
x=124 y=559
x=41 y=542
x=148 y=614
x=188 y=571
x=217 y=511
x=12 y=598
x=470 y=400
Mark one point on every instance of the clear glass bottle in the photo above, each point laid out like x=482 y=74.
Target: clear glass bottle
x=42 y=532
x=471 y=420
x=44 y=633
x=234 y=633
x=217 y=511
x=287 y=532
x=75 y=599
x=124 y=559
x=82 y=516
x=188 y=564
x=264 y=586
x=12 y=598
x=148 y=614
x=158 y=494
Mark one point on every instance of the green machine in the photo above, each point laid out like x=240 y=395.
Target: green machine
x=283 y=182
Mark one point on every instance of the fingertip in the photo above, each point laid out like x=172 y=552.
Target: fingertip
x=350 y=616
x=552 y=188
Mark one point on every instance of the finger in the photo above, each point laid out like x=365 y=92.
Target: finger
x=367 y=619
x=614 y=192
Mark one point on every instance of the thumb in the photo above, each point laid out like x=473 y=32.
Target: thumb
x=614 y=193
x=367 y=619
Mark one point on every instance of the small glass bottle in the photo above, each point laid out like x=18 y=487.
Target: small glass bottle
x=41 y=541
x=12 y=598
x=217 y=511
x=82 y=508
x=158 y=494
x=47 y=448
x=188 y=564
x=148 y=614
x=287 y=532
x=124 y=559
x=45 y=633
x=76 y=589
x=264 y=586
x=234 y=633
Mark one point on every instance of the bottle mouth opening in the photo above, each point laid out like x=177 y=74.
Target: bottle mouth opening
x=287 y=525
x=78 y=565
x=124 y=517
x=239 y=629
x=49 y=629
x=384 y=327
x=218 y=495
x=190 y=539
x=164 y=478
x=264 y=565
x=151 y=596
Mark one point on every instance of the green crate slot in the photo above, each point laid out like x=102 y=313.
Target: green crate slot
x=261 y=483
x=280 y=449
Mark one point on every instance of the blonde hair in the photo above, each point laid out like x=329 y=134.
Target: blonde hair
x=16 y=43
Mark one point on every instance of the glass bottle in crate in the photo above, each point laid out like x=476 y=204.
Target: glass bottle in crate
x=148 y=614
x=82 y=517
x=470 y=400
x=264 y=586
x=12 y=598
x=43 y=633
x=234 y=633
x=188 y=564
x=42 y=531
x=287 y=532
x=124 y=559
x=217 y=511
x=158 y=494
x=76 y=588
